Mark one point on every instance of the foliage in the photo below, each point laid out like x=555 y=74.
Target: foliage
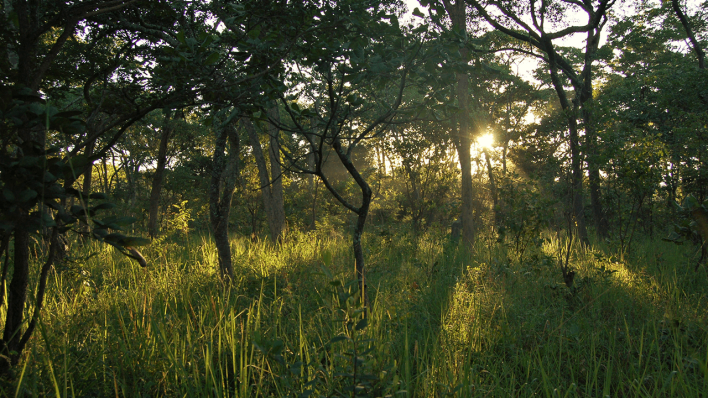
x=365 y=112
x=525 y=215
x=692 y=224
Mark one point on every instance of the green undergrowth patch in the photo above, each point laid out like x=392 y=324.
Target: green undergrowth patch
x=443 y=321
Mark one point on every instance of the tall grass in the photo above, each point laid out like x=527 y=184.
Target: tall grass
x=443 y=322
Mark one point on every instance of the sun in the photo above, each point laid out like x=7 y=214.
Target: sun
x=486 y=141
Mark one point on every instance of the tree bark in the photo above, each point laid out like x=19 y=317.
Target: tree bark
x=17 y=295
x=585 y=94
x=86 y=187
x=271 y=189
x=574 y=143
x=594 y=179
x=492 y=188
x=700 y=55
x=362 y=212
x=223 y=183
x=458 y=16
x=158 y=179
x=277 y=221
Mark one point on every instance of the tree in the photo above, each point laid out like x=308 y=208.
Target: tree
x=36 y=174
x=224 y=177
x=271 y=183
x=158 y=179
x=249 y=54
x=511 y=19
x=353 y=70
x=653 y=118
x=457 y=13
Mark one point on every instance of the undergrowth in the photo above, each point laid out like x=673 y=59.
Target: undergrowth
x=443 y=322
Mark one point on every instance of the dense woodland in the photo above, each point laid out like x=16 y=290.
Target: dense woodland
x=353 y=198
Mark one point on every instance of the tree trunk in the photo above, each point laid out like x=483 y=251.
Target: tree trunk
x=594 y=179
x=313 y=223
x=86 y=187
x=591 y=150
x=223 y=183
x=277 y=221
x=271 y=189
x=458 y=15
x=414 y=196
x=362 y=212
x=492 y=188
x=17 y=295
x=700 y=55
x=576 y=165
x=158 y=179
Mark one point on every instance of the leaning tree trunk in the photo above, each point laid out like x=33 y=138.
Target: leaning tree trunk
x=700 y=54
x=223 y=183
x=158 y=179
x=362 y=212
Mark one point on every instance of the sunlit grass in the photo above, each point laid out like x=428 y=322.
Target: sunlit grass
x=443 y=321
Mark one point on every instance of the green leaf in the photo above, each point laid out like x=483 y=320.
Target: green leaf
x=103 y=206
x=115 y=238
x=66 y=218
x=27 y=195
x=337 y=339
x=78 y=162
x=417 y=13
x=49 y=177
x=254 y=33
x=359 y=52
x=394 y=21
x=180 y=37
x=78 y=210
x=68 y=114
x=135 y=241
x=115 y=222
x=9 y=196
x=29 y=161
x=690 y=202
x=53 y=204
x=47 y=220
x=5 y=227
x=212 y=59
x=361 y=324
x=327 y=258
x=677 y=206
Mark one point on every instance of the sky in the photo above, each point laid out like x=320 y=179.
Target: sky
x=525 y=67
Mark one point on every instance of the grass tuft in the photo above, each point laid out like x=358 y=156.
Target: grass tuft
x=443 y=322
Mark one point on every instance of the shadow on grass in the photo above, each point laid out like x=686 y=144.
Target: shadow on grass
x=515 y=329
x=443 y=322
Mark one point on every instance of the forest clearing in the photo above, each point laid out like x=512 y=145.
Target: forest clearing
x=353 y=198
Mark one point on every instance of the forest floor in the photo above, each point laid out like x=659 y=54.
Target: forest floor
x=443 y=321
